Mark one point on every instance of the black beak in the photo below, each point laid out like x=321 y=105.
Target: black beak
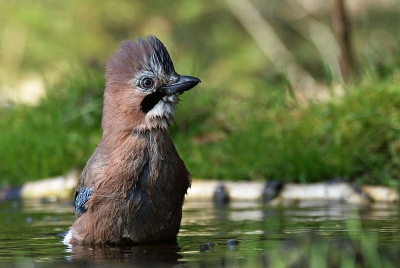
x=183 y=84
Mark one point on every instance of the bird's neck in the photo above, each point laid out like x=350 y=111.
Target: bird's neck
x=119 y=127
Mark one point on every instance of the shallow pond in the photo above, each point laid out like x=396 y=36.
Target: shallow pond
x=300 y=234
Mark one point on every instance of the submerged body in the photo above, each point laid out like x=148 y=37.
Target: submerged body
x=132 y=188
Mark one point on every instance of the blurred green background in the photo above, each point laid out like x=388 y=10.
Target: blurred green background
x=247 y=120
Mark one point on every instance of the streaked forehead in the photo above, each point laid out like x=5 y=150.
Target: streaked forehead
x=144 y=54
x=160 y=56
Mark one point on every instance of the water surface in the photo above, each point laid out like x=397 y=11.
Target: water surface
x=30 y=235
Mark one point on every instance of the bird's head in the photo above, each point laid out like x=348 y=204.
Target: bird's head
x=142 y=86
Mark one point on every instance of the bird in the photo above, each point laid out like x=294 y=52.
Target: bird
x=133 y=187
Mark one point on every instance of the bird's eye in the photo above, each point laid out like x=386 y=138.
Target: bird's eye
x=147 y=82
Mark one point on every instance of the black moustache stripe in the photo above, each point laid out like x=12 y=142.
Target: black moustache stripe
x=150 y=101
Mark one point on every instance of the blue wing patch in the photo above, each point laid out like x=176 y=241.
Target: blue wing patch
x=81 y=197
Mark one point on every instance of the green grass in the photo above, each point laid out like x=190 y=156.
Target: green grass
x=55 y=136
x=351 y=137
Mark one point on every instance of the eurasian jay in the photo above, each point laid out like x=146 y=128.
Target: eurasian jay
x=133 y=186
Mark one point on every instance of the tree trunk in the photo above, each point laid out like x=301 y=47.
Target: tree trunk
x=342 y=33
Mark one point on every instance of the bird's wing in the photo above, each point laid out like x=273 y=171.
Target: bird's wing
x=136 y=169
x=81 y=197
x=85 y=183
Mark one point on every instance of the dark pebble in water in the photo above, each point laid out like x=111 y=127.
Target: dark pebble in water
x=231 y=242
x=205 y=247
